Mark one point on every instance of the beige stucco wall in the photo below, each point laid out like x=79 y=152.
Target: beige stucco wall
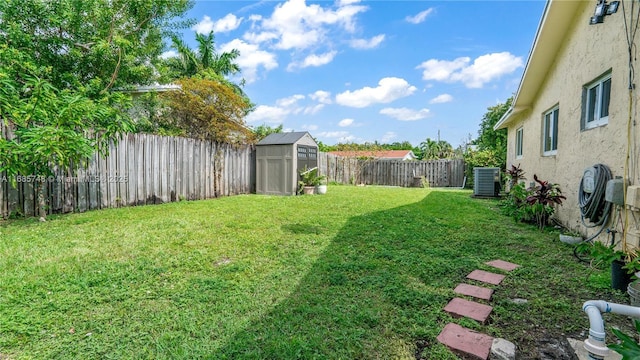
x=587 y=52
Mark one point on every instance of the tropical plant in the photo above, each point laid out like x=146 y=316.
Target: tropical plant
x=491 y=139
x=543 y=198
x=628 y=346
x=436 y=149
x=310 y=177
x=514 y=174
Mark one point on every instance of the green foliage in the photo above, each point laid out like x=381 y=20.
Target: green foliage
x=52 y=127
x=262 y=131
x=480 y=158
x=90 y=45
x=494 y=140
x=405 y=145
x=629 y=347
x=436 y=149
x=310 y=177
x=515 y=204
x=533 y=205
x=543 y=198
x=207 y=110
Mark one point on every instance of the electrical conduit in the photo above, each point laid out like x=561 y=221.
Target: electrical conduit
x=595 y=344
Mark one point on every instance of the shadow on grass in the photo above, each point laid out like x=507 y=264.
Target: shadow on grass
x=378 y=290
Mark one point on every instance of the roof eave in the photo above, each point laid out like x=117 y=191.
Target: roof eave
x=557 y=18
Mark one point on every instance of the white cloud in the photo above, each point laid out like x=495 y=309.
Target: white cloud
x=419 y=17
x=205 y=25
x=228 y=23
x=321 y=96
x=341 y=136
x=313 y=60
x=251 y=58
x=268 y=114
x=347 y=2
x=261 y=37
x=300 y=26
x=312 y=110
x=405 y=114
x=289 y=101
x=440 y=99
x=388 y=90
x=367 y=44
x=388 y=137
x=168 y=54
x=442 y=70
x=484 y=69
x=345 y=122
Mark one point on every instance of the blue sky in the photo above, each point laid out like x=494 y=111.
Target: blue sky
x=364 y=71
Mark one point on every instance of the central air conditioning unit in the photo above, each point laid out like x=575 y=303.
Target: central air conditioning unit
x=486 y=181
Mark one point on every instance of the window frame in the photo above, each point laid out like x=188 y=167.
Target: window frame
x=595 y=94
x=550 y=131
x=519 y=142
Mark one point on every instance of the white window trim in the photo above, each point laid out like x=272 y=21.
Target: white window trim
x=519 y=142
x=599 y=121
x=544 y=130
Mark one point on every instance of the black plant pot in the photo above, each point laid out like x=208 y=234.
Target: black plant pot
x=620 y=278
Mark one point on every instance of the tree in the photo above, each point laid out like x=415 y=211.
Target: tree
x=262 y=131
x=51 y=127
x=59 y=62
x=207 y=110
x=436 y=149
x=94 y=45
x=494 y=140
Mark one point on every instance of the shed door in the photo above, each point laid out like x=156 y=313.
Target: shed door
x=307 y=156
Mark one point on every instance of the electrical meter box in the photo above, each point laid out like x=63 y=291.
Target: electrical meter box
x=588 y=181
x=614 y=193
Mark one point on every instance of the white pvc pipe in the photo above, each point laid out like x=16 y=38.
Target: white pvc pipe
x=595 y=344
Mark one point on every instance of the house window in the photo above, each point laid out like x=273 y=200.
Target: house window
x=519 y=138
x=596 y=97
x=550 y=128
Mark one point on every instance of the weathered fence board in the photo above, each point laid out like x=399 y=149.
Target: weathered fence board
x=140 y=169
x=149 y=169
x=345 y=170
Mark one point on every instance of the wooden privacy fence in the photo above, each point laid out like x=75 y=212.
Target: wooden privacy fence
x=140 y=169
x=349 y=170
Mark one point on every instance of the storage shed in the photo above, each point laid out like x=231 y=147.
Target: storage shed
x=279 y=158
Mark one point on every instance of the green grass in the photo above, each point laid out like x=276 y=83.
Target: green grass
x=359 y=273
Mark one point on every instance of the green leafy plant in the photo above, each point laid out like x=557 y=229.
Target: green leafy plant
x=514 y=174
x=543 y=198
x=628 y=348
x=310 y=177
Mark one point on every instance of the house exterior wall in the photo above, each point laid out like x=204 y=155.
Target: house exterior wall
x=587 y=52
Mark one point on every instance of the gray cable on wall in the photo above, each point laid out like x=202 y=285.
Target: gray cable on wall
x=593 y=206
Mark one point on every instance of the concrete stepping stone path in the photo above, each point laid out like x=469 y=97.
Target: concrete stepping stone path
x=469 y=343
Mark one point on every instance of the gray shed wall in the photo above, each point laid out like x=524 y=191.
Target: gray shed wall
x=276 y=174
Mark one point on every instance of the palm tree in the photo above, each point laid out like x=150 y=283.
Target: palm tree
x=205 y=58
x=206 y=62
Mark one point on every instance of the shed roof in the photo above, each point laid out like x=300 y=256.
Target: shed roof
x=283 y=138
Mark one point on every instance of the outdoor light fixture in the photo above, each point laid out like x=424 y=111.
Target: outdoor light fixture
x=602 y=9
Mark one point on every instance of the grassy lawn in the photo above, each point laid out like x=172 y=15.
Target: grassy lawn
x=359 y=273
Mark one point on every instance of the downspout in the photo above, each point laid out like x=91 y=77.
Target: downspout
x=595 y=344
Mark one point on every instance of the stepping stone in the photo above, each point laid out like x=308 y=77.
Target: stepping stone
x=503 y=265
x=485 y=276
x=475 y=291
x=471 y=309
x=466 y=342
